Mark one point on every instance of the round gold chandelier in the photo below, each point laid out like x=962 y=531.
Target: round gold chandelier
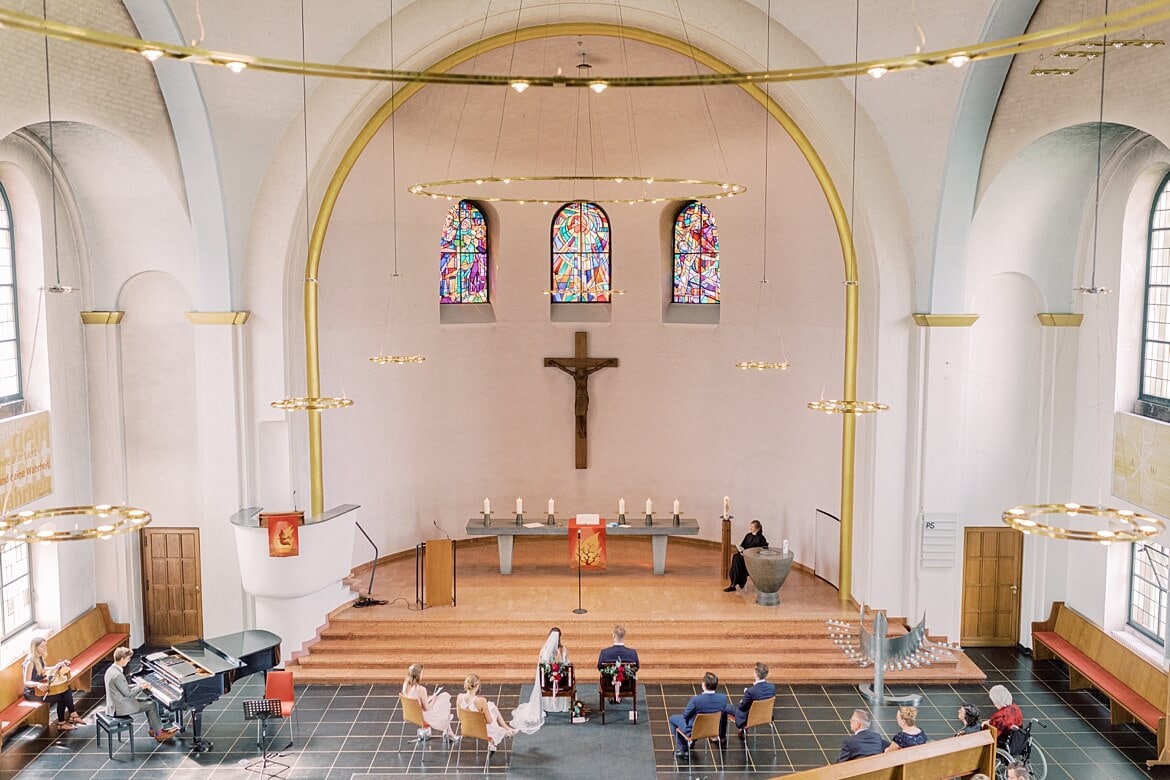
x=832 y=406
x=396 y=360
x=764 y=365
x=1136 y=17
x=312 y=403
x=1130 y=526
x=460 y=189
x=106 y=521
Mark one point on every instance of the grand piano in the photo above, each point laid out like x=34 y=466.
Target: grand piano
x=192 y=675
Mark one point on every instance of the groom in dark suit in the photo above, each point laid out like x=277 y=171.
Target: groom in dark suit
x=759 y=690
x=864 y=741
x=618 y=652
x=705 y=702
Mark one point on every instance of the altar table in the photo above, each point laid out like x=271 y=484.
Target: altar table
x=505 y=530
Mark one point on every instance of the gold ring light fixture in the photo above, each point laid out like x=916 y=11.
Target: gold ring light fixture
x=1123 y=525
x=458 y=189
x=1128 y=19
x=104 y=521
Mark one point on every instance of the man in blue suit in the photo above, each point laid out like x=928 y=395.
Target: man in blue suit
x=864 y=742
x=707 y=701
x=618 y=652
x=759 y=690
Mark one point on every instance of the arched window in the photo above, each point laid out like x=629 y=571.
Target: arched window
x=696 y=255
x=9 y=340
x=580 y=254
x=1155 y=384
x=1150 y=566
x=463 y=256
x=15 y=580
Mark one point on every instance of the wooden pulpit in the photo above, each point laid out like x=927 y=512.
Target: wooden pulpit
x=438 y=572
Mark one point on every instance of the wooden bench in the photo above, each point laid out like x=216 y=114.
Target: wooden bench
x=87 y=640
x=1137 y=689
x=953 y=757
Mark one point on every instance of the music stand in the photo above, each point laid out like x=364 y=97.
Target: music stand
x=260 y=710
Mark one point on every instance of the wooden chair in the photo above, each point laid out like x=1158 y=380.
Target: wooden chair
x=759 y=715
x=566 y=688
x=412 y=713
x=706 y=726
x=605 y=692
x=473 y=725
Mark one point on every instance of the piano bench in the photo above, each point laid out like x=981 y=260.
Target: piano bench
x=114 y=724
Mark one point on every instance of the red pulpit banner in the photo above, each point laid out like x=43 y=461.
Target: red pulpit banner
x=284 y=533
x=589 y=551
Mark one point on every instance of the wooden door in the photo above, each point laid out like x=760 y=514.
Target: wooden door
x=992 y=564
x=173 y=603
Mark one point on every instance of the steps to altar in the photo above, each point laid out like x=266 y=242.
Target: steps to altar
x=681 y=623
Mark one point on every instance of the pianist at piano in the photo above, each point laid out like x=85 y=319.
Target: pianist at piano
x=121 y=696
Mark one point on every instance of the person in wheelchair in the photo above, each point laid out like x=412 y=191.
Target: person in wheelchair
x=1006 y=720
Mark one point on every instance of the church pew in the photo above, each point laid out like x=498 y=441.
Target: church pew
x=85 y=641
x=1137 y=689
x=953 y=757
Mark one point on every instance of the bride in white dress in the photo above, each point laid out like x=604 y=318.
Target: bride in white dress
x=529 y=716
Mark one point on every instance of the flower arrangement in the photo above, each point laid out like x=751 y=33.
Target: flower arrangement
x=620 y=673
x=558 y=675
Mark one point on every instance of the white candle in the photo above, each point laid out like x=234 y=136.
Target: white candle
x=726 y=506
x=785 y=546
x=649 y=507
x=519 y=507
x=487 y=507
x=550 y=506
x=621 y=506
x=676 y=506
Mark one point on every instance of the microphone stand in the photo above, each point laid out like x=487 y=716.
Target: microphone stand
x=368 y=600
x=579 y=610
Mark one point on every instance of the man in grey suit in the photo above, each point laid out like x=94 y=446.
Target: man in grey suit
x=120 y=698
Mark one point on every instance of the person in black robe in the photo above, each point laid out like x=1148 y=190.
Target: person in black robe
x=738 y=573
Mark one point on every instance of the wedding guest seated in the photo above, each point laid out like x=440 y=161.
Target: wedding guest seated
x=705 y=702
x=120 y=696
x=969 y=717
x=1017 y=770
x=759 y=690
x=471 y=701
x=911 y=734
x=863 y=741
x=37 y=677
x=1007 y=716
x=436 y=708
x=738 y=573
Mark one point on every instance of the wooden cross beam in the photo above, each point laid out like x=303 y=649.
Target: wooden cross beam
x=580 y=366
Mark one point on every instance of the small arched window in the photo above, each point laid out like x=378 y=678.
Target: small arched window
x=580 y=254
x=463 y=256
x=1155 y=382
x=10 y=388
x=696 y=255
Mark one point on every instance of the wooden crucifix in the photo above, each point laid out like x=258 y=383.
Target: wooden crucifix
x=580 y=366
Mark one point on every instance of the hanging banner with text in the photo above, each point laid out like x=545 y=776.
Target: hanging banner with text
x=284 y=533
x=587 y=542
x=26 y=463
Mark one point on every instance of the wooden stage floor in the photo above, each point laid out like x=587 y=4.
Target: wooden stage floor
x=681 y=623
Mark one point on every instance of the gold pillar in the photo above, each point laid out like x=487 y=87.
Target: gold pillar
x=571 y=29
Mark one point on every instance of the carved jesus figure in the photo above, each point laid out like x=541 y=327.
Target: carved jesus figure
x=580 y=376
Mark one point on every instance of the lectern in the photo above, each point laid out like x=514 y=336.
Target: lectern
x=434 y=571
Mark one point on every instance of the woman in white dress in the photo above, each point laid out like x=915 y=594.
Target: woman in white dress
x=436 y=707
x=471 y=701
x=529 y=716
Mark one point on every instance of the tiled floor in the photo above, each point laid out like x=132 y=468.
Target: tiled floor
x=356 y=732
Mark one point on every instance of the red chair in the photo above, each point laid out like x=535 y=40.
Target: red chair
x=279 y=685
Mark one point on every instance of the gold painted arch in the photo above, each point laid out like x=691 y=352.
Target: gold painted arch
x=538 y=32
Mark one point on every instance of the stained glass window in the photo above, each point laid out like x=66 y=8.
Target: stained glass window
x=580 y=254
x=463 y=256
x=696 y=255
x=9 y=341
